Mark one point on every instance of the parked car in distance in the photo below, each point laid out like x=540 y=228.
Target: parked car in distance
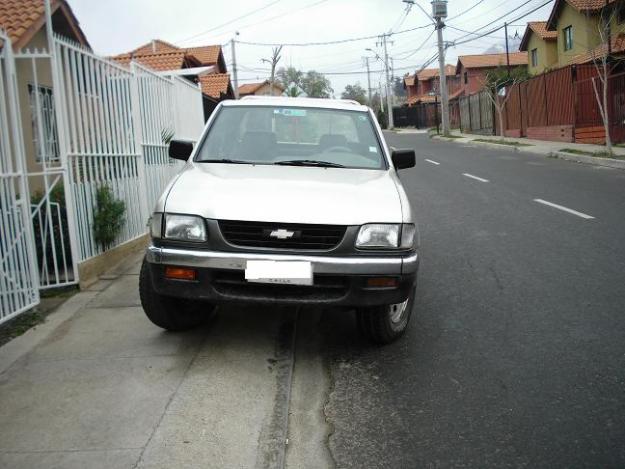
x=285 y=200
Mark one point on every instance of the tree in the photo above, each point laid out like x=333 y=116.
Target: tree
x=398 y=87
x=275 y=58
x=355 y=92
x=316 y=85
x=289 y=75
x=496 y=83
x=292 y=91
x=604 y=65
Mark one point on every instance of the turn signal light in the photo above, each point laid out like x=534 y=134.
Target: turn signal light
x=180 y=273
x=382 y=282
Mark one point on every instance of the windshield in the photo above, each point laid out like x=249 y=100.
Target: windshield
x=292 y=136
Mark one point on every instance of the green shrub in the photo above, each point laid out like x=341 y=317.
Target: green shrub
x=108 y=217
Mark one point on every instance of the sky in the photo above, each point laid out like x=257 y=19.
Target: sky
x=117 y=26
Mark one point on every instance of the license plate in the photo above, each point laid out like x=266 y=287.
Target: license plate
x=280 y=272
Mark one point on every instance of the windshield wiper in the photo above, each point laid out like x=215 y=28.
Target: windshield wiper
x=225 y=160
x=323 y=164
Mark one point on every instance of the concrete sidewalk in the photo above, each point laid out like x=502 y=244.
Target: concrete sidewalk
x=99 y=386
x=545 y=148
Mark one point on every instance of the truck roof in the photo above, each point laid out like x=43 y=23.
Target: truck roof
x=321 y=103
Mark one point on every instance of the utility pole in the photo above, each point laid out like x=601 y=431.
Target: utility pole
x=439 y=8
x=368 y=79
x=235 y=80
x=392 y=81
x=389 y=104
x=381 y=98
x=505 y=26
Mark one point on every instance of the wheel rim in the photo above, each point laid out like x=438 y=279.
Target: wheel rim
x=397 y=311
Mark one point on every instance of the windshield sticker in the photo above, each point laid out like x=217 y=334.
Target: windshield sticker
x=373 y=150
x=362 y=118
x=291 y=112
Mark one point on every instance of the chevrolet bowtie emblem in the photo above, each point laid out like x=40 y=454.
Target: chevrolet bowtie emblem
x=281 y=234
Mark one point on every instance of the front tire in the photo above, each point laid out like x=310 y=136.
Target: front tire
x=385 y=324
x=173 y=314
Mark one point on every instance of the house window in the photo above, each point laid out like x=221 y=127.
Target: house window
x=568 y=37
x=48 y=149
x=534 y=56
x=466 y=78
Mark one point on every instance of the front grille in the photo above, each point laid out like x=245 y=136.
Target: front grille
x=324 y=288
x=304 y=236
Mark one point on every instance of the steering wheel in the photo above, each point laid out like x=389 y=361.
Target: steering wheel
x=337 y=148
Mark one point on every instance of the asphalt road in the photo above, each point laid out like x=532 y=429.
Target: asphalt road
x=515 y=356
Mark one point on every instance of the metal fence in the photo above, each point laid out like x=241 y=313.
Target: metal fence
x=562 y=105
x=72 y=122
x=18 y=273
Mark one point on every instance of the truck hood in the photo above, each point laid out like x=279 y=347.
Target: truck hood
x=286 y=194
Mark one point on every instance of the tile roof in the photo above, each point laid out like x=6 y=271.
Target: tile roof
x=618 y=47
x=206 y=55
x=215 y=84
x=409 y=80
x=588 y=5
x=18 y=16
x=158 y=62
x=430 y=73
x=579 y=5
x=155 y=46
x=540 y=29
x=492 y=60
x=251 y=88
x=422 y=98
x=21 y=19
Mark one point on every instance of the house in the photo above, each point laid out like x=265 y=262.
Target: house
x=578 y=29
x=203 y=64
x=541 y=46
x=423 y=87
x=262 y=88
x=24 y=23
x=471 y=70
x=576 y=24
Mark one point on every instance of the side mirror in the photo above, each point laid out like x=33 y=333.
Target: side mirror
x=180 y=149
x=403 y=158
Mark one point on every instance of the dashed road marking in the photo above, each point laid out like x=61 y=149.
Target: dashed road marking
x=477 y=178
x=432 y=161
x=565 y=209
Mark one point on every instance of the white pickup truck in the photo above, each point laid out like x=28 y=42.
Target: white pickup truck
x=285 y=200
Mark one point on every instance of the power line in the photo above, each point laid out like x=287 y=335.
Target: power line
x=286 y=13
x=418 y=48
x=327 y=43
x=231 y=21
x=465 y=11
x=470 y=32
x=500 y=18
x=456 y=43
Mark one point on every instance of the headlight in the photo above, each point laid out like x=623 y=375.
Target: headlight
x=185 y=228
x=384 y=236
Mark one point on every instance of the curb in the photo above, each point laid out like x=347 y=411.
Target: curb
x=592 y=160
x=584 y=159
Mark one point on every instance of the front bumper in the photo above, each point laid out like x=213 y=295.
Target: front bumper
x=337 y=280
